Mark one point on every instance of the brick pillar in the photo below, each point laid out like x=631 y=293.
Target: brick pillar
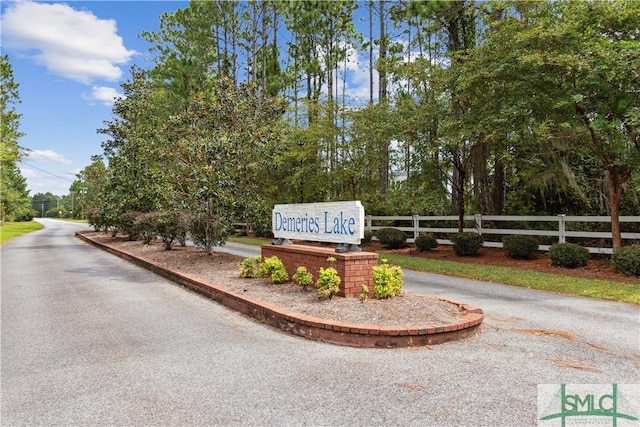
x=355 y=268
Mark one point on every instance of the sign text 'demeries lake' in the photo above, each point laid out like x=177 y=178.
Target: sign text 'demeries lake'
x=333 y=222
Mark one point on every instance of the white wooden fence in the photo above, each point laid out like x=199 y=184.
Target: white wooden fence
x=559 y=228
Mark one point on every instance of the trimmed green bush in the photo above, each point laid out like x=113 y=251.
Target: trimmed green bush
x=520 y=247
x=172 y=226
x=568 y=255
x=146 y=225
x=274 y=267
x=391 y=237
x=127 y=224
x=467 y=244
x=425 y=242
x=368 y=236
x=627 y=260
x=302 y=277
x=387 y=280
x=328 y=282
x=250 y=267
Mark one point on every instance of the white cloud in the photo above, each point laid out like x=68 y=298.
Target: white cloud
x=104 y=95
x=359 y=81
x=28 y=173
x=68 y=42
x=47 y=156
x=40 y=182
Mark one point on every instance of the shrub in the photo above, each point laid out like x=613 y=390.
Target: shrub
x=172 y=226
x=387 y=280
x=103 y=219
x=250 y=267
x=364 y=294
x=425 y=242
x=302 y=277
x=521 y=247
x=467 y=244
x=274 y=268
x=368 y=236
x=145 y=225
x=328 y=280
x=207 y=232
x=127 y=224
x=627 y=260
x=391 y=237
x=568 y=255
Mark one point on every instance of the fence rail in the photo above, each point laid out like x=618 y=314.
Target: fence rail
x=559 y=228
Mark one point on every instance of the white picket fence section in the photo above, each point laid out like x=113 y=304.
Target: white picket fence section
x=483 y=224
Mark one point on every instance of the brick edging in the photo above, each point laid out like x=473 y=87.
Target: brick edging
x=335 y=332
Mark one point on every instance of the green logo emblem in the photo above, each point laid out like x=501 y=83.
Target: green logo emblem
x=589 y=404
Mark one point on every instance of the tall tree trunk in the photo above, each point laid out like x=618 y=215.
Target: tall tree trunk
x=371 y=52
x=458 y=186
x=382 y=98
x=617 y=179
x=382 y=90
x=254 y=43
x=499 y=185
x=263 y=57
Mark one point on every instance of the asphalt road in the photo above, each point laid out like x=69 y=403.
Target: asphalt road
x=88 y=339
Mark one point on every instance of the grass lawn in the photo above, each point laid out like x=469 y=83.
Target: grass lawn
x=603 y=289
x=12 y=229
x=594 y=288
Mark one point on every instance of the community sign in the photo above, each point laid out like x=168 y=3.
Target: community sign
x=333 y=222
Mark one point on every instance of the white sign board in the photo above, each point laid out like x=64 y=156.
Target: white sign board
x=333 y=222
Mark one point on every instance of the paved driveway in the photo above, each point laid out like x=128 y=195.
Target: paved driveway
x=88 y=339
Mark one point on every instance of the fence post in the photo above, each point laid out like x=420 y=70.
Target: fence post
x=416 y=226
x=478 y=221
x=368 y=223
x=561 y=225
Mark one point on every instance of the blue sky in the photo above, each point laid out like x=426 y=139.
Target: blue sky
x=69 y=59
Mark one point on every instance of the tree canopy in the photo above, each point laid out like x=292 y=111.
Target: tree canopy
x=500 y=107
x=15 y=204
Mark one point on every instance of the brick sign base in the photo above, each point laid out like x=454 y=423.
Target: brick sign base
x=354 y=268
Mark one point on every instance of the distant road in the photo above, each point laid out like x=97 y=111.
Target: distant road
x=89 y=339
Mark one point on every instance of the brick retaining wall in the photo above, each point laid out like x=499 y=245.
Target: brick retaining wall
x=354 y=268
x=332 y=331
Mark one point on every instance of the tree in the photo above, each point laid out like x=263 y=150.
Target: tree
x=137 y=150
x=219 y=144
x=88 y=191
x=15 y=204
x=567 y=73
